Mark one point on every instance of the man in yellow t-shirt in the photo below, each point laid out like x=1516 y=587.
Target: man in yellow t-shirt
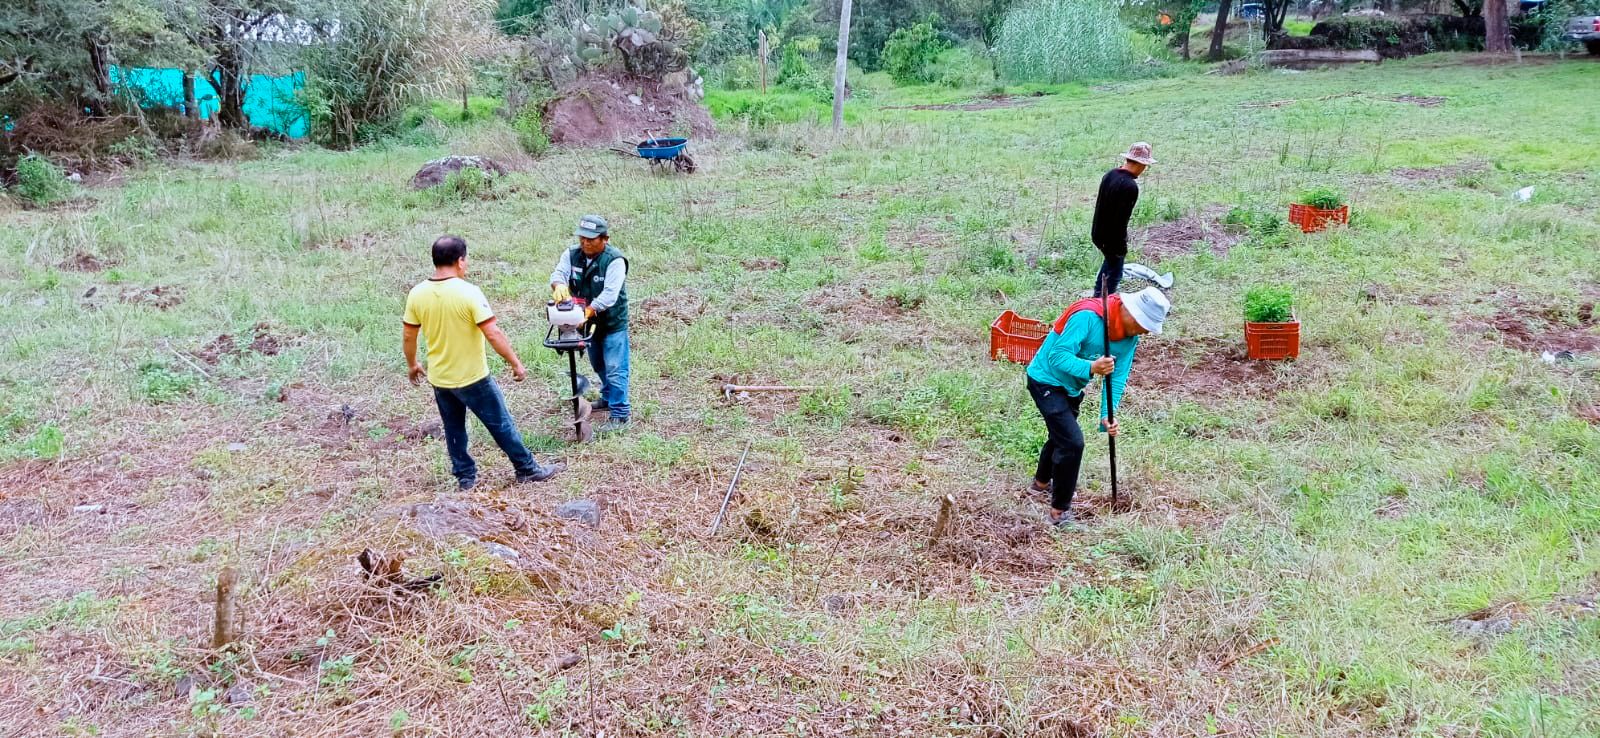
x=456 y=319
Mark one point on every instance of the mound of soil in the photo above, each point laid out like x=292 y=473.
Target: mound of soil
x=596 y=111
x=1179 y=237
x=263 y=342
x=435 y=172
x=83 y=261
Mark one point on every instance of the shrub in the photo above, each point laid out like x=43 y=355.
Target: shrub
x=794 y=64
x=1322 y=197
x=961 y=68
x=910 y=53
x=738 y=73
x=1269 y=304
x=40 y=183
x=812 y=83
x=531 y=135
x=387 y=54
x=1055 y=41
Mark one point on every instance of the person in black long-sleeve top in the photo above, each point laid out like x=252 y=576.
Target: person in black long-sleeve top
x=1119 y=192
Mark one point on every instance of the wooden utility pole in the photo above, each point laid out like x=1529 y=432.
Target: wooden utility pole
x=764 y=52
x=839 y=64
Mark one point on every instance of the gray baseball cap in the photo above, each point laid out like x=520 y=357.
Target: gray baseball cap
x=591 y=226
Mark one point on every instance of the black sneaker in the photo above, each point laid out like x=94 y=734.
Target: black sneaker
x=544 y=472
x=600 y=405
x=612 y=426
x=466 y=484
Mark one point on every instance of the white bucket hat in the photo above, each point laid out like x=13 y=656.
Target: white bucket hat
x=1149 y=308
x=1140 y=152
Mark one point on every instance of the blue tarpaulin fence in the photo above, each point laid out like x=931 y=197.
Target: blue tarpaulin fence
x=269 y=102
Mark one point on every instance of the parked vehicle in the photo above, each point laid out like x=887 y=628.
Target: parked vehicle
x=1585 y=29
x=1251 y=12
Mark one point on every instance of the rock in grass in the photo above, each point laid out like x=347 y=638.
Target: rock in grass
x=435 y=172
x=583 y=511
x=238 y=694
x=500 y=550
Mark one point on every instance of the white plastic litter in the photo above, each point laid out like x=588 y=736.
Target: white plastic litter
x=1140 y=271
x=1525 y=194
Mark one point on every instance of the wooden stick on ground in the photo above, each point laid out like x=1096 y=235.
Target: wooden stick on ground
x=224 y=632
x=947 y=515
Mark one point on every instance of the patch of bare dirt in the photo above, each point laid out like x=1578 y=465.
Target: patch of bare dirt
x=763 y=264
x=1202 y=367
x=18 y=513
x=855 y=299
x=1591 y=414
x=1447 y=172
x=595 y=111
x=1524 y=326
x=1424 y=101
x=159 y=297
x=83 y=261
x=684 y=305
x=988 y=103
x=1185 y=235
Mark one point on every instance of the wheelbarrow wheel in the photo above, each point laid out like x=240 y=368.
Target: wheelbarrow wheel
x=684 y=164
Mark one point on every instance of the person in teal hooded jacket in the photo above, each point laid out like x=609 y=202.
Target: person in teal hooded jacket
x=1073 y=353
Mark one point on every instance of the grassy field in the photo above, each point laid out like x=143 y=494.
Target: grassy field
x=1394 y=535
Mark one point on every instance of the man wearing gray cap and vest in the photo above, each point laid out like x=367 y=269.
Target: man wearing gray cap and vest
x=594 y=273
x=1072 y=354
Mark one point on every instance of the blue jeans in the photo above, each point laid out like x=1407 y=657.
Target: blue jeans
x=483 y=398
x=608 y=355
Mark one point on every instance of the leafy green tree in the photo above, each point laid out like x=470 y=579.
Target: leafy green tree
x=910 y=53
x=519 y=17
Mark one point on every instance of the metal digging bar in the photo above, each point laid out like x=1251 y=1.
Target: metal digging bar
x=1111 y=440
x=731 y=484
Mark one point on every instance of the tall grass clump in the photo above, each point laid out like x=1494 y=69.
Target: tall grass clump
x=1055 y=41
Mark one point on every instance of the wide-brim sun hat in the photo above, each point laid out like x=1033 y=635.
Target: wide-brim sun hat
x=1148 y=307
x=1140 y=152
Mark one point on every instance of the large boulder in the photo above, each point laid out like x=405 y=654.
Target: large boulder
x=435 y=172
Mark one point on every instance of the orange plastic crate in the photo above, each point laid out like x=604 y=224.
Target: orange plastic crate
x=1272 y=341
x=1015 y=338
x=1312 y=219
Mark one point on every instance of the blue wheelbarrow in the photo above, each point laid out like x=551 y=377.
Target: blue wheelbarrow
x=665 y=152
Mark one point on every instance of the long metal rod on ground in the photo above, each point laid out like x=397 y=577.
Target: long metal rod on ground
x=729 y=390
x=731 y=484
x=1111 y=439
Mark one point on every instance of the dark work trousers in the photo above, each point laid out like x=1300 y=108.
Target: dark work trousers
x=483 y=398
x=1063 y=452
x=1110 y=271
